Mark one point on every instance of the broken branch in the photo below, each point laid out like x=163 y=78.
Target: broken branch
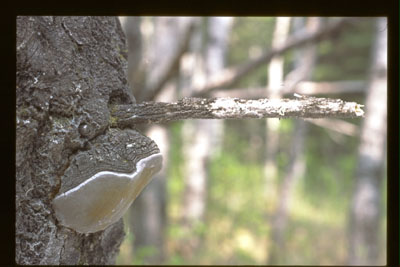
x=232 y=108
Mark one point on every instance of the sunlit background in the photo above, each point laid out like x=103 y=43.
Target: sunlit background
x=273 y=191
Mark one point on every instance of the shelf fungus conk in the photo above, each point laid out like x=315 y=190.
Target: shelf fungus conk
x=101 y=183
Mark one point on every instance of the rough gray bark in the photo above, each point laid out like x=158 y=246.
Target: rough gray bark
x=232 y=108
x=69 y=70
x=365 y=210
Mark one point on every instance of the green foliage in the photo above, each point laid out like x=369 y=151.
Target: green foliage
x=236 y=214
x=142 y=253
x=175 y=184
x=242 y=255
x=251 y=36
x=175 y=260
x=310 y=243
x=329 y=177
x=348 y=56
x=248 y=146
x=249 y=33
x=228 y=176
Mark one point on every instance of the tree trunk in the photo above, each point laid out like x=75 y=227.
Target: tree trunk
x=365 y=211
x=275 y=83
x=69 y=69
x=304 y=65
x=217 y=42
x=202 y=138
x=194 y=146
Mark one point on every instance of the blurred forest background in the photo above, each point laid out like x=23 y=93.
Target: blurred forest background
x=269 y=191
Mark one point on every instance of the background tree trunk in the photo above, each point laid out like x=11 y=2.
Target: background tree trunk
x=218 y=31
x=304 y=64
x=194 y=147
x=366 y=209
x=275 y=83
x=203 y=137
x=155 y=72
x=69 y=69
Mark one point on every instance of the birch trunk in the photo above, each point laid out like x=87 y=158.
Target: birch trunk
x=304 y=65
x=275 y=83
x=365 y=211
x=195 y=144
x=203 y=137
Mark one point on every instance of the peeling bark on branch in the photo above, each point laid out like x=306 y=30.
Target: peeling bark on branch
x=232 y=108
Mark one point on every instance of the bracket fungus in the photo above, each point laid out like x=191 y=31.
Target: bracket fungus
x=101 y=183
